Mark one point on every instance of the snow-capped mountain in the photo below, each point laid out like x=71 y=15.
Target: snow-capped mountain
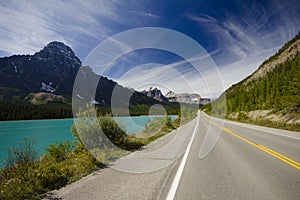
x=155 y=93
x=185 y=98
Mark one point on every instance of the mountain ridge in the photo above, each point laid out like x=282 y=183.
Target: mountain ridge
x=49 y=68
x=288 y=51
x=53 y=69
x=192 y=98
x=155 y=93
x=25 y=79
x=270 y=96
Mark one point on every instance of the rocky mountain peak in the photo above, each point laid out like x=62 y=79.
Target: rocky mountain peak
x=170 y=94
x=53 y=70
x=57 y=50
x=155 y=93
x=191 y=98
x=59 y=47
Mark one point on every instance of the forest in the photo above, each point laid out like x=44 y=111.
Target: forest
x=278 y=90
x=26 y=111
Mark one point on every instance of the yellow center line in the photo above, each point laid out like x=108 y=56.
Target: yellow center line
x=275 y=154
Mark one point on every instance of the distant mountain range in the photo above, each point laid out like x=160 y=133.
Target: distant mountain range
x=271 y=95
x=171 y=96
x=192 y=98
x=155 y=93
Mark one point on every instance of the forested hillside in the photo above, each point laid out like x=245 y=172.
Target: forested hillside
x=277 y=90
x=270 y=96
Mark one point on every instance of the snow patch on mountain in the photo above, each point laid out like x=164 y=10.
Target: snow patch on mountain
x=15 y=67
x=47 y=88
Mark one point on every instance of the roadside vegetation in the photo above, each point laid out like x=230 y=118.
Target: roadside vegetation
x=243 y=116
x=28 y=176
x=261 y=121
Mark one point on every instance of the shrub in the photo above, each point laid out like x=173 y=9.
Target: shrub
x=60 y=150
x=111 y=129
x=17 y=179
x=168 y=123
x=154 y=126
x=242 y=116
x=24 y=153
x=89 y=129
x=28 y=178
x=52 y=177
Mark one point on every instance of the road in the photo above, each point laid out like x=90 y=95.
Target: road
x=240 y=166
x=236 y=161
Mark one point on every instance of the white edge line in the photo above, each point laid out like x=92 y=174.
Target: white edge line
x=251 y=126
x=174 y=186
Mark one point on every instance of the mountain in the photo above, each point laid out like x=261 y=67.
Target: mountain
x=186 y=98
x=47 y=78
x=155 y=93
x=53 y=69
x=108 y=92
x=289 y=51
x=269 y=96
x=171 y=96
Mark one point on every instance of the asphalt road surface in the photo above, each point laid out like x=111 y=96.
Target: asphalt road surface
x=205 y=159
x=248 y=162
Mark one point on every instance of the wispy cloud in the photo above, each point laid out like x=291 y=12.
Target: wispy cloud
x=28 y=25
x=179 y=76
x=246 y=40
x=237 y=42
x=144 y=14
x=241 y=43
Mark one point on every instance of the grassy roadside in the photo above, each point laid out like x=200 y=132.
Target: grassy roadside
x=244 y=118
x=28 y=177
x=266 y=122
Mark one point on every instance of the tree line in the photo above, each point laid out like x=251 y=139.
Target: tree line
x=26 y=111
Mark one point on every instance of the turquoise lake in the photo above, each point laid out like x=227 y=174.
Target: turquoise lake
x=46 y=132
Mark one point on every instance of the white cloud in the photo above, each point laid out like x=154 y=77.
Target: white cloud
x=26 y=26
x=244 y=42
x=178 y=76
x=144 y=14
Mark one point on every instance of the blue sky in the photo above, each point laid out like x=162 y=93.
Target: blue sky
x=238 y=35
